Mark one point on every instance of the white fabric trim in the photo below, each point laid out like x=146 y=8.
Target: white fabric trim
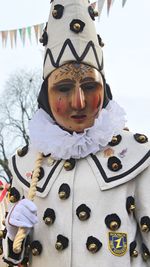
x=47 y=137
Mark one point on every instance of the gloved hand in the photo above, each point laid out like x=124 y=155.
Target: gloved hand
x=23 y=214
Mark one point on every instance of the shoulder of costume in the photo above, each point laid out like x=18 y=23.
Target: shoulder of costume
x=125 y=157
x=23 y=163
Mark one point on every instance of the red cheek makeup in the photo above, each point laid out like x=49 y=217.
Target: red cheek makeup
x=96 y=101
x=60 y=106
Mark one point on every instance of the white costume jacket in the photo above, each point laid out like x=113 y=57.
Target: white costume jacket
x=100 y=207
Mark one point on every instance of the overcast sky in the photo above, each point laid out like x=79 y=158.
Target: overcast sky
x=126 y=35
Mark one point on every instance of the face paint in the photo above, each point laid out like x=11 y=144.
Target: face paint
x=75 y=94
x=96 y=102
x=58 y=105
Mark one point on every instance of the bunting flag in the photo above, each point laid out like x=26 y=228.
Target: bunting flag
x=4 y=38
x=123 y=2
x=31 y=33
x=35 y=31
x=109 y=3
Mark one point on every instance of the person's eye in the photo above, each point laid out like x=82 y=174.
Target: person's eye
x=89 y=86
x=64 y=88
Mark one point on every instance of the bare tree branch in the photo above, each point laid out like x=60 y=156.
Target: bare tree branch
x=18 y=103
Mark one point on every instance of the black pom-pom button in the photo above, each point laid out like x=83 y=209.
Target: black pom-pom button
x=69 y=164
x=64 y=191
x=14 y=195
x=1 y=247
x=49 y=216
x=36 y=248
x=115 y=140
x=133 y=251
x=130 y=204
x=113 y=222
x=145 y=252
x=141 y=138
x=3 y=233
x=61 y=243
x=83 y=212
x=114 y=164
x=23 y=151
x=93 y=244
x=145 y=224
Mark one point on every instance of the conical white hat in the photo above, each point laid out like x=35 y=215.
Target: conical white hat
x=71 y=36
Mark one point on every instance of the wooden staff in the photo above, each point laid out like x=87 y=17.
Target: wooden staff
x=21 y=234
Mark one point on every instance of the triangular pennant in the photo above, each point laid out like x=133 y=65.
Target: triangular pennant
x=20 y=32
x=29 y=33
x=39 y=32
x=100 y=6
x=12 y=37
x=15 y=37
x=109 y=3
x=41 y=28
x=36 y=30
x=23 y=35
x=123 y=2
x=4 y=38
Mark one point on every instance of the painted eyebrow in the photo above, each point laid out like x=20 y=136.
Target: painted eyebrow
x=88 y=79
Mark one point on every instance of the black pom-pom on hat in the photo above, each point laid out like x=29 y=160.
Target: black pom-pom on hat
x=44 y=37
x=100 y=41
x=57 y=12
x=77 y=25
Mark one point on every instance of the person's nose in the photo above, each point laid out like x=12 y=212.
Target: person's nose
x=78 y=98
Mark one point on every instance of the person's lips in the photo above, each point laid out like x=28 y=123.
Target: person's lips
x=79 y=117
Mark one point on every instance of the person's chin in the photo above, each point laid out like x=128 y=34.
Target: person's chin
x=80 y=128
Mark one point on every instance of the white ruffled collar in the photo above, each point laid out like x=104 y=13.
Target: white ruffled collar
x=47 y=137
